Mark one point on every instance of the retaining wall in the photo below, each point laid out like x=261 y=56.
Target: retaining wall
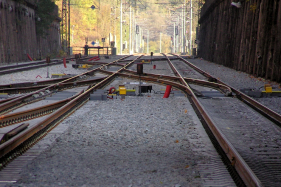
x=18 y=34
x=246 y=39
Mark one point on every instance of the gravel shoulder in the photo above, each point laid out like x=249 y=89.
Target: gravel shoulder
x=240 y=80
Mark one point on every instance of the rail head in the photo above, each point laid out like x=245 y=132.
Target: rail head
x=272 y=115
x=238 y=162
x=247 y=175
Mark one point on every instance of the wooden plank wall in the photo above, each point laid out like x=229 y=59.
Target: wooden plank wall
x=18 y=34
x=246 y=39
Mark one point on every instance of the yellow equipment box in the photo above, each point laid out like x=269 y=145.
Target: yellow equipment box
x=268 y=88
x=122 y=90
x=57 y=75
x=84 y=66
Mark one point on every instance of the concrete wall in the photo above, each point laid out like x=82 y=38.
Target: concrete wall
x=18 y=34
x=247 y=38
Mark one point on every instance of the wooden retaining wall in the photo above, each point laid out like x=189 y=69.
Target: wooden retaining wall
x=18 y=34
x=247 y=39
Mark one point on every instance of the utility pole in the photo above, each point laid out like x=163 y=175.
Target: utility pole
x=174 y=37
x=139 y=39
x=178 y=34
x=121 y=27
x=115 y=41
x=141 y=31
x=147 y=41
x=68 y=33
x=72 y=32
x=160 y=43
x=190 y=27
x=64 y=25
x=65 y=38
x=184 y=27
x=133 y=31
x=137 y=46
x=182 y=33
x=136 y=39
x=130 y=42
x=143 y=42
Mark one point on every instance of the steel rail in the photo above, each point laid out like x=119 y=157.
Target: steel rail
x=231 y=153
x=97 y=63
x=223 y=88
x=153 y=75
x=156 y=80
x=8 y=71
x=92 y=71
x=28 y=66
x=8 y=99
x=110 y=77
x=152 y=59
x=21 y=90
x=270 y=114
x=50 y=122
x=10 y=119
x=24 y=64
x=25 y=135
x=62 y=86
x=13 y=132
x=244 y=171
x=15 y=103
x=29 y=84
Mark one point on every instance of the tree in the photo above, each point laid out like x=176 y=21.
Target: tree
x=45 y=15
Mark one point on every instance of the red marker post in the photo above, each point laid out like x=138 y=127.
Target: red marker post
x=167 y=92
x=64 y=62
x=29 y=57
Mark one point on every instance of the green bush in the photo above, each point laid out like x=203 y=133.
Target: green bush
x=45 y=11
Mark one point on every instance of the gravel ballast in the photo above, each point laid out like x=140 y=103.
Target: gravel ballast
x=138 y=141
x=240 y=80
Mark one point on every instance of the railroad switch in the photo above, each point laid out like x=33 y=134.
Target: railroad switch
x=85 y=66
x=145 y=62
x=58 y=75
x=268 y=92
x=98 y=95
x=145 y=88
x=113 y=96
x=129 y=92
x=75 y=65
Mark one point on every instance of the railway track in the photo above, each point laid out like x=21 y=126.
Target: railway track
x=15 y=146
x=241 y=172
x=42 y=92
x=34 y=65
x=253 y=136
